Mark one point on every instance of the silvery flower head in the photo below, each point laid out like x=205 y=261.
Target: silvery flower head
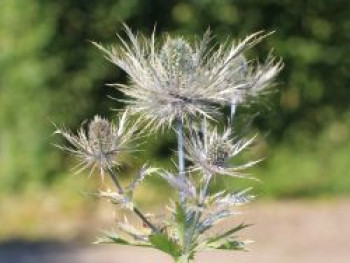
x=99 y=146
x=254 y=78
x=213 y=152
x=177 y=79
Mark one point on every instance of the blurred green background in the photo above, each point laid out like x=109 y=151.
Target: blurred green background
x=50 y=73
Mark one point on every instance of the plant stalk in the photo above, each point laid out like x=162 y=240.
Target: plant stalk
x=203 y=193
x=233 y=111
x=135 y=210
x=183 y=259
x=204 y=132
x=115 y=180
x=181 y=160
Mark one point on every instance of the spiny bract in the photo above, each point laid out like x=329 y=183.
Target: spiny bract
x=99 y=146
x=214 y=151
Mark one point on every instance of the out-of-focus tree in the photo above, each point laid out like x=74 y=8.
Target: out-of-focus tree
x=51 y=73
x=25 y=30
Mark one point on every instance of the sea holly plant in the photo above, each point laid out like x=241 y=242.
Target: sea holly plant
x=181 y=86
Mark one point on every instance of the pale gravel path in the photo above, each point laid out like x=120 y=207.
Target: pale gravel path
x=285 y=232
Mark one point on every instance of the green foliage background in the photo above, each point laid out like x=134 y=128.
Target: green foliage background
x=50 y=73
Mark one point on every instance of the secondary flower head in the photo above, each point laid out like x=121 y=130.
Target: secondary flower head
x=213 y=152
x=176 y=79
x=254 y=79
x=99 y=146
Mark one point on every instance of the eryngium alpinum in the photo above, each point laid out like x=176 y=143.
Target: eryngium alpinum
x=178 y=80
x=99 y=146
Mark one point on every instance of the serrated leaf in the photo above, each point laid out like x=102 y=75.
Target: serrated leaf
x=115 y=239
x=112 y=238
x=228 y=233
x=231 y=245
x=165 y=244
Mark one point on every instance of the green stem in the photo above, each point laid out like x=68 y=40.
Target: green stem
x=135 y=210
x=182 y=259
x=144 y=219
x=115 y=180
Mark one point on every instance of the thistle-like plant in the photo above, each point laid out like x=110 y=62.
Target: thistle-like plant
x=177 y=81
x=177 y=84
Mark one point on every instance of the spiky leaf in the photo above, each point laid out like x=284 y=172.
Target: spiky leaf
x=165 y=244
x=228 y=233
x=227 y=245
x=112 y=238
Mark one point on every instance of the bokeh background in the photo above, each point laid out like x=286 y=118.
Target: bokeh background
x=51 y=73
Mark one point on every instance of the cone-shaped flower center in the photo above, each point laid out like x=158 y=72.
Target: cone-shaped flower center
x=177 y=56
x=218 y=154
x=100 y=136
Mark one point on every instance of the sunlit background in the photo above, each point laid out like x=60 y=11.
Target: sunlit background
x=50 y=73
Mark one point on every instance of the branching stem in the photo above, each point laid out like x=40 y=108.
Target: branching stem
x=135 y=210
x=203 y=194
x=115 y=180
